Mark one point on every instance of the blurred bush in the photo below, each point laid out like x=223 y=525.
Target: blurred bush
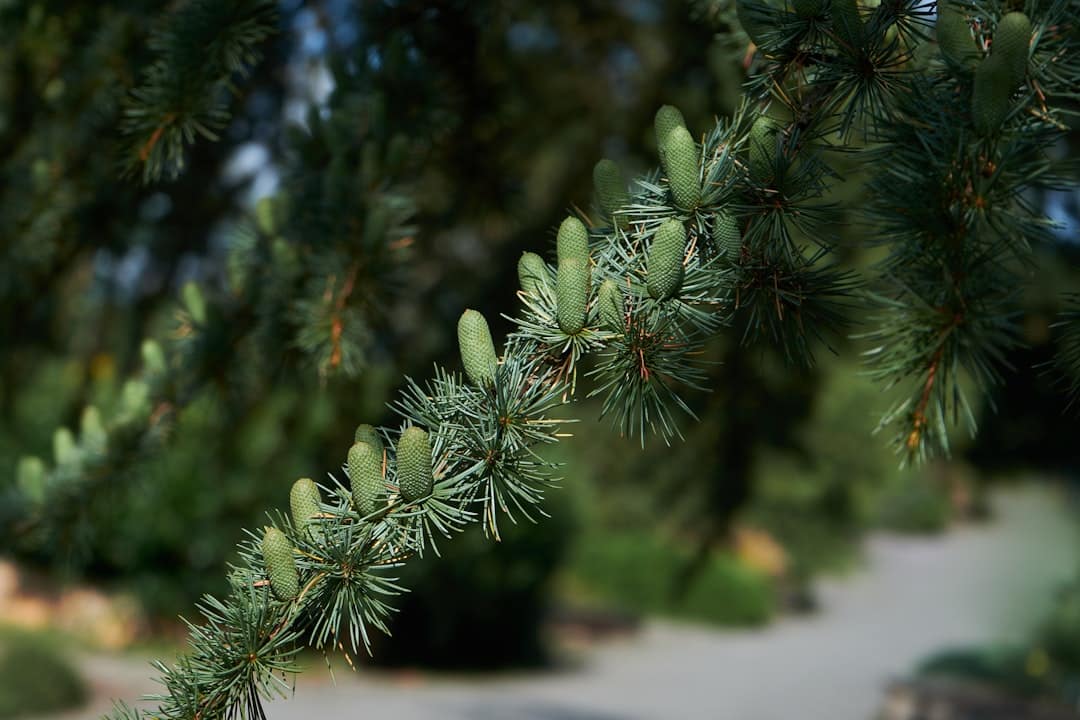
x=35 y=677
x=641 y=572
x=481 y=605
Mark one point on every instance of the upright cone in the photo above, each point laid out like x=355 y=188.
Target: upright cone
x=365 y=470
x=414 y=468
x=277 y=553
x=304 y=502
x=477 y=348
x=664 y=262
x=681 y=159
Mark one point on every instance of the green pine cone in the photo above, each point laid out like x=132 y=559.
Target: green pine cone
x=668 y=117
x=611 y=193
x=30 y=478
x=753 y=26
x=726 y=236
x=610 y=302
x=572 y=239
x=762 y=147
x=664 y=262
x=680 y=157
x=265 y=216
x=847 y=23
x=477 y=348
x=365 y=470
x=954 y=36
x=414 y=471
x=304 y=502
x=153 y=359
x=808 y=8
x=1011 y=42
x=990 y=95
x=532 y=273
x=572 y=285
x=65 y=451
x=280 y=564
x=194 y=302
x=92 y=436
x=368 y=434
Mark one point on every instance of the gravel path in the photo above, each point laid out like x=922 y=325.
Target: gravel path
x=915 y=596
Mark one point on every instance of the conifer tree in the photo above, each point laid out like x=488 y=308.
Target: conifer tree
x=732 y=229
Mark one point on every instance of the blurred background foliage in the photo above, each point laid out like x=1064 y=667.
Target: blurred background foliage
x=413 y=151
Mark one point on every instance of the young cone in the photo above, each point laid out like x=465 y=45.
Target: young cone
x=477 y=348
x=762 y=147
x=954 y=36
x=304 y=502
x=1010 y=46
x=847 y=23
x=754 y=27
x=280 y=564
x=365 y=470
x=611 y=192
x=726 y=236
x=532 y=273
x=572 y=239
x=414 y=470
x=668 y=117
x=572 y=285
x=680 y=158
x=610 y=302
x=664 y=263
x=368 y=434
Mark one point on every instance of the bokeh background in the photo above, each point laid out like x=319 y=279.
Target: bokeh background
x=776 y=564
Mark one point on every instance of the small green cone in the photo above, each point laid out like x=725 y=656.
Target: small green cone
x=367 y=433
x=30 y=478
x=65 y=451
x=304 y=502
x=668 y=117
x=612 y=309
x=135 y=400
x=153 y=359
x=954 y=36
x=611 y=193
x=990 y=95
x=848 y=23
x=414 y=471
x=477 y=348
x=1012 y=39
x=532 y=273
x=726 y=236
x=365 y=470
x=762 y=147
x=572 y=239
x=572 y=285
x=808 y=8
x=194 y=302
x=92 y=436
x=681 y=158
x=753 y=26
x=664 y=262
x=265 y=216
x=280 y=564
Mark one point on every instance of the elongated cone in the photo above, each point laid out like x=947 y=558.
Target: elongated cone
x=304 y=502
x=477 y=348
x=1012 y=39
x=847 y=23
x=367 y=433
x=365 y=470
x=762 y=147
x=194 y=302
x=65 y=451
x=92 y=436
x=533 y=273
x=572 y=239
x=681 y=158
x=611 y=193
x=414 y=469
x=153 y=359
x=30 y=478
x=954 y=36
x=664 y=262
x=572 y=286
x=726 y=235
x=668 y=117
x=998 y=76
x=277 y=553
x=612 y=310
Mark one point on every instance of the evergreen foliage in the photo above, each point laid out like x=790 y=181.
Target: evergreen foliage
x=732 y=230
